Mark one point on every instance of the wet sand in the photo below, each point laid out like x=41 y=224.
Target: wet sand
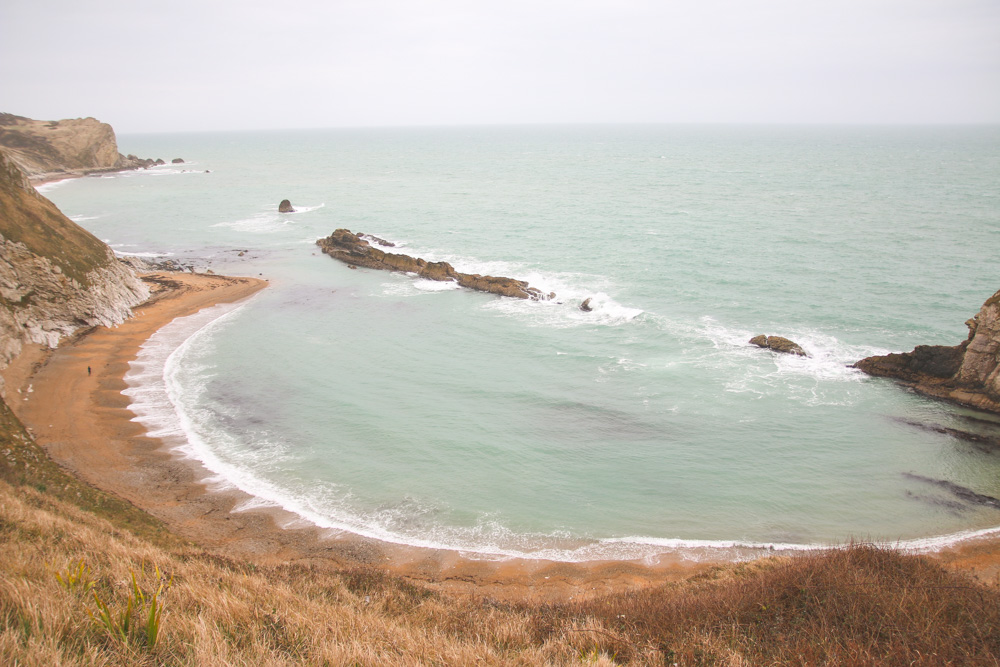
x=82 y=419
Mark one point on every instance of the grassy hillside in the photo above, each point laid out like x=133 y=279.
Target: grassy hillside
x=88 y=579
x=27 y=217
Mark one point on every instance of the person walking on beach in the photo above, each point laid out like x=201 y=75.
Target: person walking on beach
x=88 y=370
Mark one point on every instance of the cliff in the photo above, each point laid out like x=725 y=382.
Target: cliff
x=55 y=277
x=355 y=250
x=77 y=146
x=967 y=373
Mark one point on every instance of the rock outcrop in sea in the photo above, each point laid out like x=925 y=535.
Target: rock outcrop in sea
x=967 y=373
x=55 y=277
x=356 y=250
x=778 y=344
x=285 y=207
x=73 y=147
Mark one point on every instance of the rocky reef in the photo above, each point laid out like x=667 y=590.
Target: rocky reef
x=55 y=277
x=356 y=250
x=967 y=373
x=778 y=344
x=48 y=149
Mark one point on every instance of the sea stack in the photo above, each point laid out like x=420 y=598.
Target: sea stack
x=285 y=207
x=967 y=373
x=778 y=344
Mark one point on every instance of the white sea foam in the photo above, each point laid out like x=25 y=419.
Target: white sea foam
x=83 y=218
x=571 y=290
x=168 y=169
x=52 y=185
x=269 y=221
x=757 y=370
x=424 y=285
x=130 y=253
x=304 y=209
x=939 y=542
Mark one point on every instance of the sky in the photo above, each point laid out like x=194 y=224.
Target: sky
x=209 y=65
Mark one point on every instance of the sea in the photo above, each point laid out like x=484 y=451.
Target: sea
x=421 y=413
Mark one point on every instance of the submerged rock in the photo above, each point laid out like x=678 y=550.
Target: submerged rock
x=285 y=207
x=778 y=344
x=585 y=306
x=966 y=494
x=355 y=250
x=967 y=373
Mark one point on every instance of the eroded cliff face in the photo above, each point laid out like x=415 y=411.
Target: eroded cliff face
x=967 y=373
x=55 y=277
x=75 y=146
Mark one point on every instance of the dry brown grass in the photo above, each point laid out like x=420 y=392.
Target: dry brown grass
x=219 y=611
x=858 y=606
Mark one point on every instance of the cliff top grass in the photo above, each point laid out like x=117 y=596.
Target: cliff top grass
x=88 y=579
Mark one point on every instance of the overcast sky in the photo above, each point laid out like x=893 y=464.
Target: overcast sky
x=182 y=65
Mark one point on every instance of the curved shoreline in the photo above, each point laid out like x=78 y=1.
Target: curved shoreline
x=155 y=402
x=95 y=435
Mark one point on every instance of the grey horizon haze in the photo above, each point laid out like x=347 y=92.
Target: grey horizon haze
x=220 y=65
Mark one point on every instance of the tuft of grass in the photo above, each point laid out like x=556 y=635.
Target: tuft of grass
x=116 y=625
x=140 y=621
x=75 y=580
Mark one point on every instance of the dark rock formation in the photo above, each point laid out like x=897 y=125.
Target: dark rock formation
x=967 y=373
x=354 y=250
x=778 y=344
x=177 y=160
x=45 y=149
x=585 y=306
x=285 y=207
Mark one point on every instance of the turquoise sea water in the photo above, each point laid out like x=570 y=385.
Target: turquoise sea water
x=407 y=410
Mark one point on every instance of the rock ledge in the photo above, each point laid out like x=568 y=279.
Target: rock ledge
x=355 y=250
x=967 y=373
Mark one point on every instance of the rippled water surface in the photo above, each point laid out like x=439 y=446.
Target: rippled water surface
x=409 y=410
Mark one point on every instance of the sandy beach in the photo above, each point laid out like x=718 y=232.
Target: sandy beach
x=71 y=400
